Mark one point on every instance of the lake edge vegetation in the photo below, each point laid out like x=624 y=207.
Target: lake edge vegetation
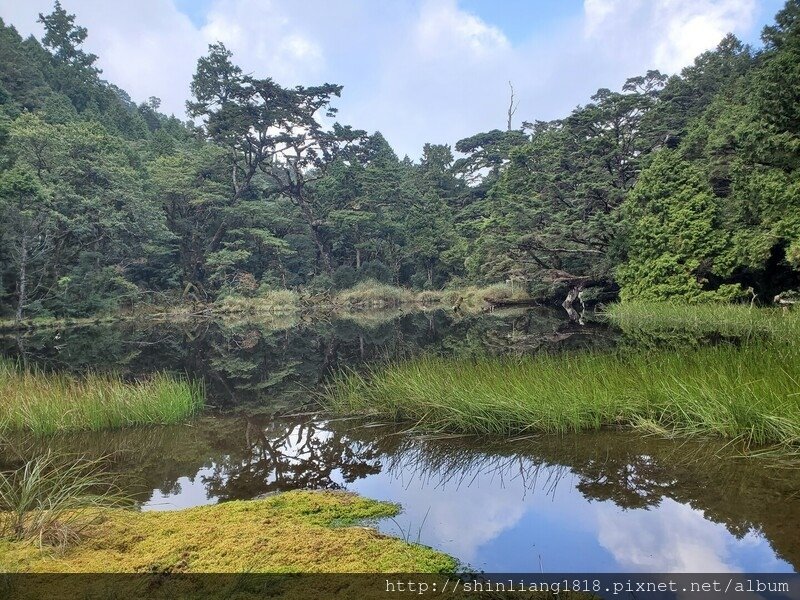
x=734 y=320
x=363 y=297
x=747 y=391
x=53 y=498
x=44 y=402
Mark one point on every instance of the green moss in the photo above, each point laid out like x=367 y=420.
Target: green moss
x=291 y=532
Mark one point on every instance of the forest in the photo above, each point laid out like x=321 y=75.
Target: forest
x=683 y=187
x=191 y=380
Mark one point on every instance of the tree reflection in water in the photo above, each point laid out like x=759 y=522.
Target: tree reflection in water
x=290 y=453
x=256 y=371
x=632 y=471
x=246 y=457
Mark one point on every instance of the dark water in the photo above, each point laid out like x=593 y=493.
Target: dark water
x=593 y=502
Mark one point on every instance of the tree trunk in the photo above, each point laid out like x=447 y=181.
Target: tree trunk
x=308 y=214
x=23 y=277
x=323 y=252
x=571 y=297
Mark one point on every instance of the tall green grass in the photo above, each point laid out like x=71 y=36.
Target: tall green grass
x=52 y=498
x=46 y=403
x=739 y=320
x=749 y=393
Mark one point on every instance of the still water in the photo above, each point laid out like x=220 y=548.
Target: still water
x=607 y=501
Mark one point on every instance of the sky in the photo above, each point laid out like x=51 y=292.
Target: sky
x=416 y=70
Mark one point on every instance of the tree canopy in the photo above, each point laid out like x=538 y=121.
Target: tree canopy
x=684 y=186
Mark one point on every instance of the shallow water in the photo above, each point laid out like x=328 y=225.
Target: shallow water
x=607 y=501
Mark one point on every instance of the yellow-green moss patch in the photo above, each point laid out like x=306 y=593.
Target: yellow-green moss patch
x=300 y=531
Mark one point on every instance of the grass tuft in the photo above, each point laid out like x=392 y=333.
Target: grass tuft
x=46 y=403
x=51 y=499
x=749 y=393
x=373 y=294
x=734 y=320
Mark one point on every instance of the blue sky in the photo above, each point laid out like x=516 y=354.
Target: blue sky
x=522 y=19
x=417 y=70
x=518 y=19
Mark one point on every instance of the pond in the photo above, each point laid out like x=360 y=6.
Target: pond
x=608 y=501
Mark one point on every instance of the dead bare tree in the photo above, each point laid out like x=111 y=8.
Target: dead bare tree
x=512 y=106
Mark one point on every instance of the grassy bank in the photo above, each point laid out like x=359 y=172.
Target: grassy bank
x=749 y=393
x=373 y=294
x=292 y=532
x=367 y=295
x=738 y=320
x=272 y=301
x=45 y=403
x=467 y=299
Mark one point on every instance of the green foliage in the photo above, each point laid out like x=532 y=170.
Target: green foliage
x=555 y=205
x=344 y=277
x=720 y=213
x=673 y=234
x=88 y=216
x=672 y=187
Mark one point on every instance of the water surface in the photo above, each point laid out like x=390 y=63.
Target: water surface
x=609 y=501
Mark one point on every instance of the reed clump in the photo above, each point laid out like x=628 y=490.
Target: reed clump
x=52 y=498
x=735 y=320
x=48 y=402
x=748 y=392
x=373 y=294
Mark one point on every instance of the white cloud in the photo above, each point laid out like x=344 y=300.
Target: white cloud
x=673 y=539
x=486 y=507
x=265 y=39
x=424 y=70
x=442 y=30
x=599 y=12
x=693 y=28
x=670 y=32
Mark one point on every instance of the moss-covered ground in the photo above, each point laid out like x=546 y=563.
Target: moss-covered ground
x=300 y=531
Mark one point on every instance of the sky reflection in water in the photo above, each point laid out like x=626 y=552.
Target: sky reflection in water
x=593 y=502
x=516 y=515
